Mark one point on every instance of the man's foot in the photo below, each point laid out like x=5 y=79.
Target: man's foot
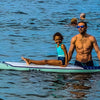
x=26 y=60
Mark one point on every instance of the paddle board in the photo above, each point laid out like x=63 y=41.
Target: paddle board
x=46 y=68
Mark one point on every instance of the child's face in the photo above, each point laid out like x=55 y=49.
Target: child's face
x=58 y=40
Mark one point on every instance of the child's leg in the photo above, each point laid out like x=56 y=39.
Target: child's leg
x=54 y=62
x=28 y=61
x=43 y=62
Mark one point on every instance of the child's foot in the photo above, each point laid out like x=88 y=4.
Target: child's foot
x=26 y=60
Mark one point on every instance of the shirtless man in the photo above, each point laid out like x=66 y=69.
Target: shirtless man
x=83 y=43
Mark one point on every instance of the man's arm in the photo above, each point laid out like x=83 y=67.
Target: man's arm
x=71 y=49
x=96 y=47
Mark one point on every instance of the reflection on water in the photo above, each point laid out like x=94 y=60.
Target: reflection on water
x=81 y=88
x=74 y=86
x=42 y=85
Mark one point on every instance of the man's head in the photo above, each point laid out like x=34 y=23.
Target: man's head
x=82 y=16
x=74 y=21
x=82 y=27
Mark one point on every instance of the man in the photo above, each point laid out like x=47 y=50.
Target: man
x=82 y=16
x=83 y=43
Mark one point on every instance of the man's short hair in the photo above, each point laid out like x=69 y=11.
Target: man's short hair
x=84 y=23
x=82 y=15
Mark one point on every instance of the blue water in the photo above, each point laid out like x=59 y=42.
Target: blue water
x=26 y=29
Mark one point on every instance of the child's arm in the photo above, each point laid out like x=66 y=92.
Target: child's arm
x=66 y=55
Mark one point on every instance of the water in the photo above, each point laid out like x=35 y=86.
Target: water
x=26 y=29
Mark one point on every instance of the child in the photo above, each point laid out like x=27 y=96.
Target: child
x=61 y=50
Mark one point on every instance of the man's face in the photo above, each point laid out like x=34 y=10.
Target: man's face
x=82 y=28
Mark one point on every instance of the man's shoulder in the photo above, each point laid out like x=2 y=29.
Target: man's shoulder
x=75 y=37
x=73 y=40
x=92 y=38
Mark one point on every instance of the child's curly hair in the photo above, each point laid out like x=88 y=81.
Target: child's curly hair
x=58 y=34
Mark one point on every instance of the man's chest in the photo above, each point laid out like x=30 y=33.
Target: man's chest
x=83 y=44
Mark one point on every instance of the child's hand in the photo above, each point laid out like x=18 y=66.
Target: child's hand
x=64 y=65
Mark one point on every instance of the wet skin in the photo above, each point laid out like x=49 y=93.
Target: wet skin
x=83 y=43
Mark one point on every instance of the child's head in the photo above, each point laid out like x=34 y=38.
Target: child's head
x=57 y=37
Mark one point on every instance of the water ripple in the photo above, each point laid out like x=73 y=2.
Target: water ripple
x=27 y=27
